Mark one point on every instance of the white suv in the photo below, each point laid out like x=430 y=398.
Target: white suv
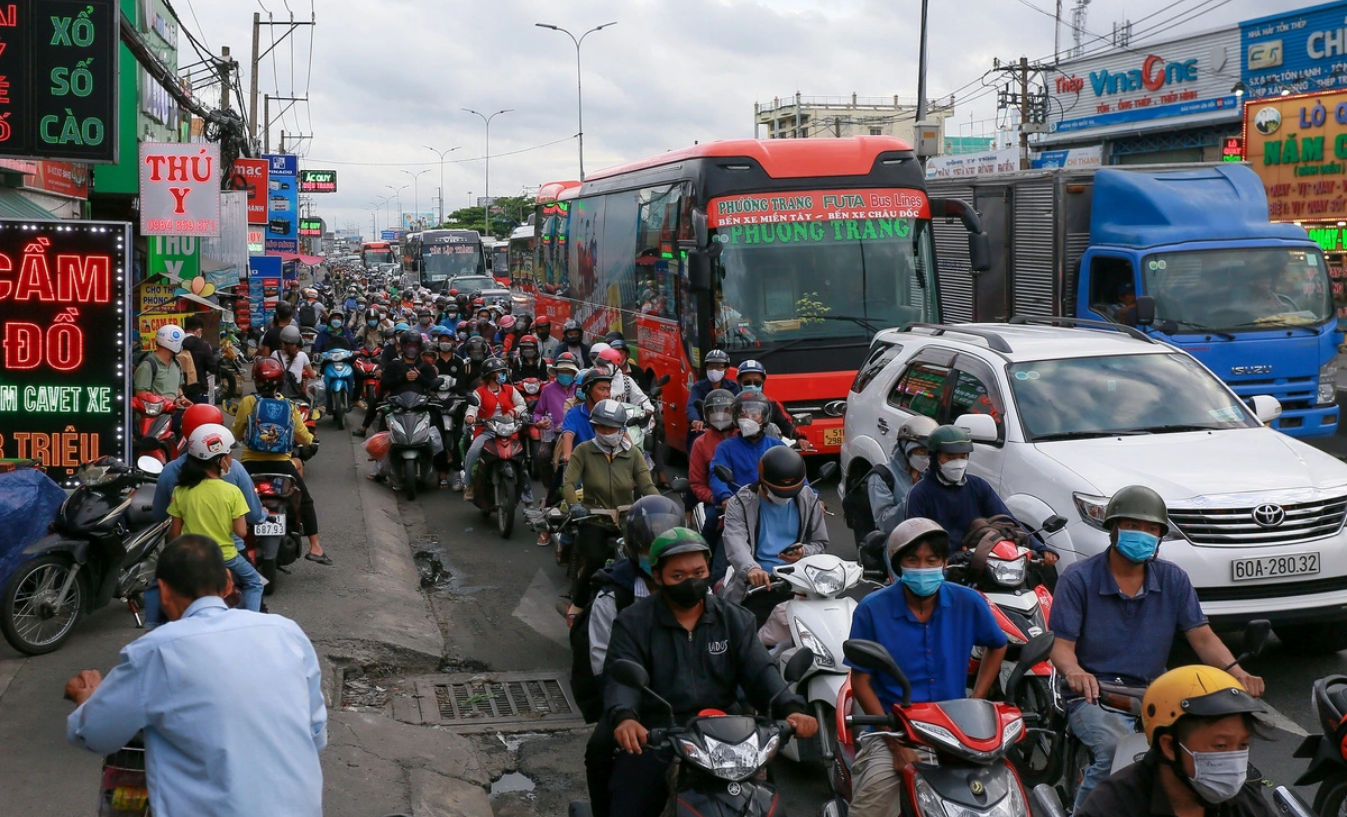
x=1064 y=417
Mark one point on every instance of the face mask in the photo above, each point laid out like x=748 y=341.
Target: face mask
x=411 y=353
x=544 y=333
x=777 y=500
x=749 y=428
x=501 y=377
x=425 y=321
x=336 y=324
x=1218 y=776
x=954 y=470
x=566 y=379
x=610 y=441
x=924 y=581
x=919 y=462
x=1137 y=545
x=462 y=335
x=715 y=375
x=687 y=593
x=752 y=389
x=719 y=421
x=474 y=334
x=446 y=347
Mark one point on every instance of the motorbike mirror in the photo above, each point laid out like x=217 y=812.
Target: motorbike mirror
x=799 y=664
x=1046 y=803
x=826 y=472
x=663 y=381
x=723 y=473
x=873 y=657
x=1054 y=523
x=1289 y=803
x=1255 y=638
x=680 y=485
x=149 y=464
x=1038 y=649
x=629 y=674
x=802 y=419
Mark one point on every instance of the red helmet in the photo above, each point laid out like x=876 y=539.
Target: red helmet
x=453 y=290
x=528 y=340
x=507 y=322
x=269 y=371
x=611 y=356
x=199 y=415
x=543 y=321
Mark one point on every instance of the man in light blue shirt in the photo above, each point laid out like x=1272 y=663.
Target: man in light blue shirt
x=208 y=752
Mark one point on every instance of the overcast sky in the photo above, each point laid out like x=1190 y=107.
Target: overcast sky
x=390 y=77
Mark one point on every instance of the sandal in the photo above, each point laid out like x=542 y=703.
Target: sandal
x=322 y=558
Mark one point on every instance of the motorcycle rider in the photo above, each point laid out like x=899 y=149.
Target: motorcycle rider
x=406 y=372
x=573 y=341
x=271 y=340
x=160 y=373
x=475 y=352
x=717 y=408
x=528 y=363
x=714 y=365
x=295 y=361
x=509 y=332
x=548 y=414
x=1115 y=615
x=268 y=376
x=887 y=485
x=742 y=452
x=492 y=399
x=699 y=652
x=752 y=377
x=771 y=522
x=615 y=588
x=644 y=380
x=547 y=345
x=1199 y=724
x=335 y=335
x=576 y=428
x=918 y=608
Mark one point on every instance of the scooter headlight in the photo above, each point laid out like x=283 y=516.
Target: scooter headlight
x=153 y=408
x=827 y=582
x=1007 y=573
x=932 y=806
x=731 y=761
x=823 y=657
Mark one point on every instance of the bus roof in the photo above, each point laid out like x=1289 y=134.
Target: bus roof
x=780 y=158
x=551 y=191
x=376 y=245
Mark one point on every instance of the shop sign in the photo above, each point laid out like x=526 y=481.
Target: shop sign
x=990 y=163
x=1298 y=147
x=1073 y=159
x=149 y=323
x=282 y=203
x=1295 y=52
x=179 y=189
x=311 y=227
x=172 y=258
x=264 y=288
x=156 y=298
x=317 y=181
x=65 y=313
x=58 y=79
x=251 y=176
x=1328 y=238
x=1233 y=150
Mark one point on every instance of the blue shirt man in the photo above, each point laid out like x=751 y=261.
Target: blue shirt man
x=577 y=423
x=741 y=456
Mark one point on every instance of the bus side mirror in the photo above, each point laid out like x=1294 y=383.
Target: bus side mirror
x=699 y=271
x=1145 y=310
x=979 y=252
x=699 y=229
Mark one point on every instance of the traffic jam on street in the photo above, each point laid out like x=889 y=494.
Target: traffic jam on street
x=872 y=462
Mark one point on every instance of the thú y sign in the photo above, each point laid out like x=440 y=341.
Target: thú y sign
x=179 y=189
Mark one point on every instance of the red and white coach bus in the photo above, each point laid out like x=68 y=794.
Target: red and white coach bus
x=790 y=252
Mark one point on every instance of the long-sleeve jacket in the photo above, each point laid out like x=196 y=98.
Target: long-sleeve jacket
x=692 y=670
x=954 y=507
x=699 y=462
x=610 y=481
x=395 y=377
x=698 y=393
x=329 y=339
x=889 y=507
x=742 y=458
x=741 y=533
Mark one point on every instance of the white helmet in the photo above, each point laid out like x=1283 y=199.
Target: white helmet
x=596 y=348
x=170 y=337
x=209 y=441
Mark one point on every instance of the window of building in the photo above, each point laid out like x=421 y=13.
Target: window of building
x=876 y=131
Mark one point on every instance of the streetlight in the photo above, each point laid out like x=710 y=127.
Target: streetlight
x=441 y=154
x=416 y=191
x=486 y=213
x=397 y=191
x=579 y=96
x=388 y=218
x=374 y=223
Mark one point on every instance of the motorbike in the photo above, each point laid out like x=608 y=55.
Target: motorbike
x=532 y=387
x=412 y=441
x=1327 y=751
x=970 y=739
x=277 y=542
x=104 y=544
x=501 y=468
x=154 y=427
x=339 y=381
x=307 y=336
x=368 y=371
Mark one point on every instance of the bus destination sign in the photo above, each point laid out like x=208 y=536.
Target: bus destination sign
x=818 y=205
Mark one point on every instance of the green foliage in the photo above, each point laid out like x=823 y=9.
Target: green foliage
x=506 y=214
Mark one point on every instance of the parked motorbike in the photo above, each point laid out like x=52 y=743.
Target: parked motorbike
x=154 y=427
x=501 y=470
x=969 y=737
x=412 y=442
x=104 y=544
x=277 y=542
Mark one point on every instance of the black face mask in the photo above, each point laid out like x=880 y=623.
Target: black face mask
x=687 y=593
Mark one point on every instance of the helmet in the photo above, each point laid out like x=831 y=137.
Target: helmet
x=597 y=349
x=612 y=336
x=422 y=313
x=268 y=372
x=716 y=356
x=493 y=366
x=528 y=342
x=749 y=401
x=618 y=343
x=475 y=349
x=310 y=292
x=461 y=326
x=566 y=362
x=410 y=338
x=336 y=314
x=401 y=326
x=291 y=334
x=593 y=376
x=437 y=330
x=200 y=414
x=170 y=336
x=647 y=518
x=718 y=406
x=676 y=541
x=507 y=322
x=949 y=440
x=781 y=469
x=543 y=321
x=525 y=321
x=361 y=301
x=387 y=332
x=453 y=291
x=210 y=441
x=1140 y=503
x=608 y=413
x=911 y=533
x=610 y=356
x=571 y=325
x=751 y=367
x=913 y=433
x=1197 y=691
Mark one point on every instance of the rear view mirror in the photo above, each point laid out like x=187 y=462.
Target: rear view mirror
x=1035 y=652
x=826 y=472
x=699 y=229
x=1046 y=803
x=1289 y=803
x=629 y=674
x=723 y=473
x=873 y=657
x=1265 y=407
x=1145 y=310
x=1255 y=638
x=1054 y=523
x=799 y=664
x=149 y=464
x=981 y=427
x=979 y=252
x=680 y=485
x=802 y=419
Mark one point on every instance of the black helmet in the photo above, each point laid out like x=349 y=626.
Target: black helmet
x=781 y=469
x=749 y=401
x=1140 y=503
x=593 y=376
x=647 y=518
x=387 y=332
x=493 y=366
x=410 y=338
x=717 y=409
x=612 y=336
x=949 y=440
x=475 y=349
x=716 y=356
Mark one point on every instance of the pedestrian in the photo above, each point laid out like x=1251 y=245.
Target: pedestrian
x=230 y=702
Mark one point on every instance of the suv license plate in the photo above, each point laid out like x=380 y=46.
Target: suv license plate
x=834 y=436
x=272 y=527
x=1274 y=567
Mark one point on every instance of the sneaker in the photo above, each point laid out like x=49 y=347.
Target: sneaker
x=467 y=493
x=457 y=482
x=359 y=432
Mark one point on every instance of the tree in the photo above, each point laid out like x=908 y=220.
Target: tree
x=507 y=213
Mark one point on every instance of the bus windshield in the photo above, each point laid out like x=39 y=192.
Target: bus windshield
x=827 y=280
x=373 y=257
x=443 y=261
x=1248 y=288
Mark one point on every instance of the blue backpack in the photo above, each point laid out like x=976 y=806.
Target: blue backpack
x=271 y=426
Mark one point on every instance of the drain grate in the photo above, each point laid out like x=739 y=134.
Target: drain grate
x=503 y=701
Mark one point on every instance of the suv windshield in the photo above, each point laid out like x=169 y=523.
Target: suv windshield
x=1246 y=288
x=1126 y=394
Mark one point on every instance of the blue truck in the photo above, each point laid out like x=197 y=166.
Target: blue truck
x=1187 y=252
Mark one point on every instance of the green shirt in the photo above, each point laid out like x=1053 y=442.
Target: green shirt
x=210 y=509
x=154 y=375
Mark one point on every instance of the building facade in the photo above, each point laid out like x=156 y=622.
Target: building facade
x=807 y=117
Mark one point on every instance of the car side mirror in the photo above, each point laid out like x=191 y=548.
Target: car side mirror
x=835 y=408
x=1145 y=310
x=981 y=427
x=1265 y=407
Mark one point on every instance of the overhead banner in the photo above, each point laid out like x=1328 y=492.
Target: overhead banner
x=317 y=181
x=991 y=163
x=58 y=66
x=251 y=176
x=179 y=189
x=1298 y=146
x=64 y=364
x=282 y=203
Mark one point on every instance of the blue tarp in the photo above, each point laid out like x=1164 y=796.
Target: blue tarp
x=29 y=501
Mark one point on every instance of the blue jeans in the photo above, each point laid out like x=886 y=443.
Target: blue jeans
x=249 y=582
x=1100 y=730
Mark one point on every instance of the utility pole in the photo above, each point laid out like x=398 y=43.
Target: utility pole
x=224 y=66
x=266 y=127
x=291 y=26
x=1032 y=109
x=1024 y=113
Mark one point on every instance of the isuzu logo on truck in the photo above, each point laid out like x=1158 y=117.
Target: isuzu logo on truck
x=1261 y=369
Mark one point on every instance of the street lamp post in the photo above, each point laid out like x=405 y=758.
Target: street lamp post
x=441 y=154
x=579 y=93
x=397 y=191
x=388 y=218
x=486 y=211
x=416 y=190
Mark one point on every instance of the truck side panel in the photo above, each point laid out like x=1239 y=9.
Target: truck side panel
x=1033 y=281
x=951 y=253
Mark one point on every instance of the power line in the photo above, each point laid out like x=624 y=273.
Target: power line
x=437 y=163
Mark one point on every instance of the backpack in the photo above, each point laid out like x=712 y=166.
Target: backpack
x=308 y=316
x=856 y=510
x=142 y=355
x=587 y=688
x=271 y=427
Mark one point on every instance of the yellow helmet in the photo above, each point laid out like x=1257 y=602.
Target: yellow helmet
x=1200 y=691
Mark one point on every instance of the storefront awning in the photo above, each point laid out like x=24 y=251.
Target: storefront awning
x=14 y=204
x=307 y=260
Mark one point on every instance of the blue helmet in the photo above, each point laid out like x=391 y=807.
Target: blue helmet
x=401 y=326
x=751 y=366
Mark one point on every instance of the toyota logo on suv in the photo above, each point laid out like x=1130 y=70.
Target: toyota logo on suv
x=1269 y=515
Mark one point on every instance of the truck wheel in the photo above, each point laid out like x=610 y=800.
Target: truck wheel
x=1321 y=639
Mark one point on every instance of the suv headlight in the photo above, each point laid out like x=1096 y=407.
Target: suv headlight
x=1091 y=509
x=1328 y=383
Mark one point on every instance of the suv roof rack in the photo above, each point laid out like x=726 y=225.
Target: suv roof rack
x=994 y=341
x=1082 y=323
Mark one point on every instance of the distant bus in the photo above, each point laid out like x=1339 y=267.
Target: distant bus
x=500 y=262
x=377 y=252
x=443 y=254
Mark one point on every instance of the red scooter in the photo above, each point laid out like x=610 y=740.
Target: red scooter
x=532 y=388
x=501 y=471
x=368 y=372
x=154 y=427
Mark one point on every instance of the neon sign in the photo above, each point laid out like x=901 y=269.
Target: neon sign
x=64 y=354
x=317 y=181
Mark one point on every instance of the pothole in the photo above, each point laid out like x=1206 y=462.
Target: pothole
x=368 y=687
x=512 y=783
x=438 y=575
x=456 y=665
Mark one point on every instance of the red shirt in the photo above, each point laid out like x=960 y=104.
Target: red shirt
x=699 y=462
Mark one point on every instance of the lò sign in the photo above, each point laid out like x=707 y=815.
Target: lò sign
x=179 y=189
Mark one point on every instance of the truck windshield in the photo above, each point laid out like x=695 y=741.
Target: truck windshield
x=1125 y=394
x=1246 y=288
x=830 y=280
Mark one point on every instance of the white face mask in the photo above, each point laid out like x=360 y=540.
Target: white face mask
x=609 y=441
x=919 y=462
x=954 y=470
x=749 y=428
x=719 y=419
x=777 y=500
x=1218 y=776
x=715 y=375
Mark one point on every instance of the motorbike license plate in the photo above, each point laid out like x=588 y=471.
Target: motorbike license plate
x=272 y=527
x=1274 y=567
x=833 y=436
